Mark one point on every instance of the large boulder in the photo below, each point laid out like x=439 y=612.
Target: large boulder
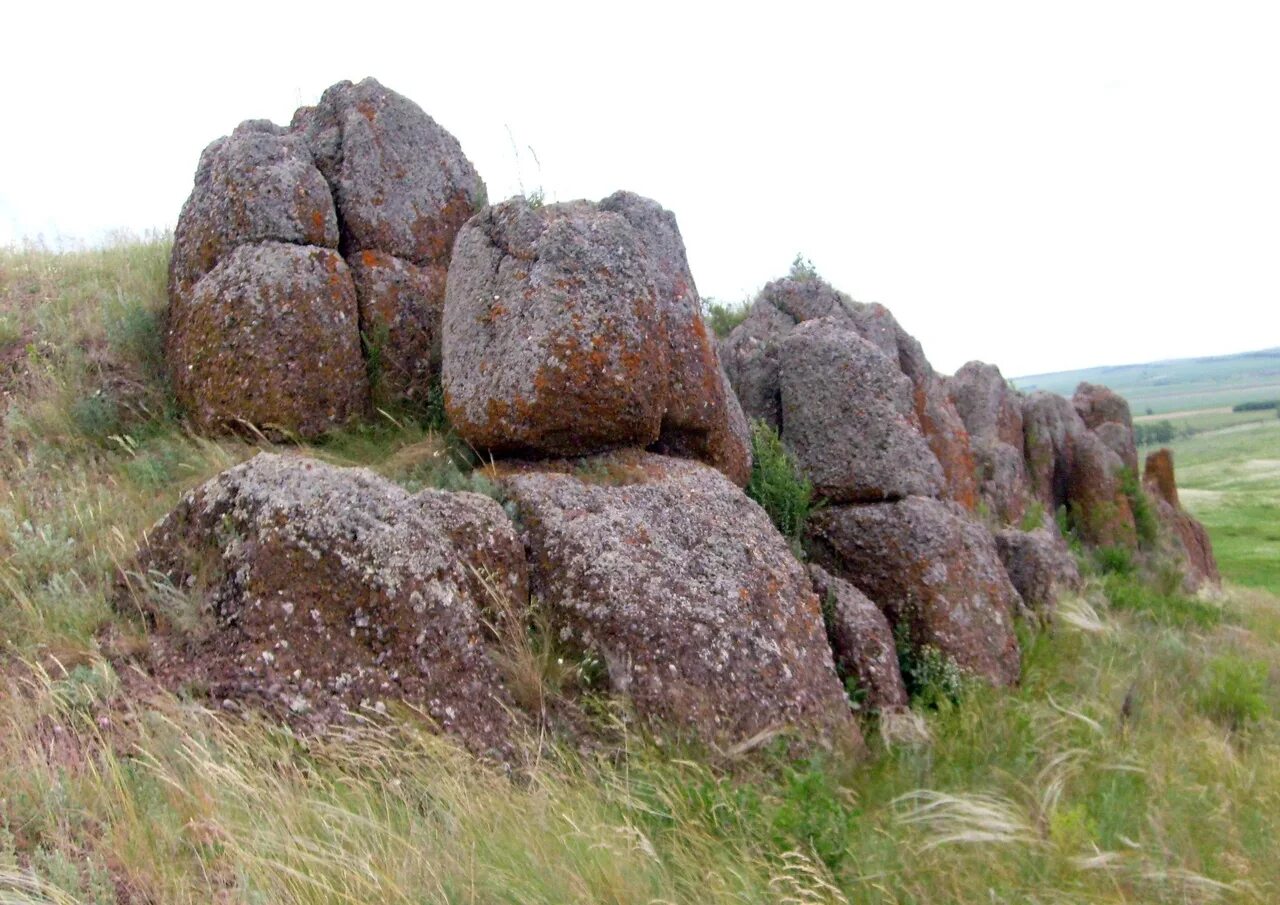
x=932 y=570
x=849 y=418
x=366 y=174
x=1186 y=536
x=1106 y=413
x=988 y=406
x=256 y=185
x=1070 y=466
x=861 y=641
x=269 y=338
x=685 y=590
x=1040 y=565
x=574 y=328
x=401 y=182
x=752 y=361
x=313 y=592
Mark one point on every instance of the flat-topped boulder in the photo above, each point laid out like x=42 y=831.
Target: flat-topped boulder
x=575 y=328
x=313 y=592
x=932 y=570
x=683 y=587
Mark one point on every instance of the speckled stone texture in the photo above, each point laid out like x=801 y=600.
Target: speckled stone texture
x=270 y=338
x=574 y=328
x=686 y=591
x=861 y=642
x=752 y=358
x=1106 y=413
x=325 y=590
x=927 y=565
x=1040 y=565
x=992 y=414
x=848 y=417
x=366 y=174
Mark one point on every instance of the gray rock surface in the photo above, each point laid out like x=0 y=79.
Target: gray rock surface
x=311 y=591
x=1040 y=565
x=256 y=185
x=992 y=415
x=574 y=328
x=849 y=419
x=861 y=642
x=401 y=182
x=927 y=565
x=686 y=591
x=269 y=338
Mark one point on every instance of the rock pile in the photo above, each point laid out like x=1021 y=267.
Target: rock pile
x=297 y=244
x=570 y=345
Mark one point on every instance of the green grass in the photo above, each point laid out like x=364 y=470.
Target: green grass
x=1138 y=761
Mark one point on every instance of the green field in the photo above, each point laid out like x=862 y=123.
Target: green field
x=1137 y=762
x=1176 y=385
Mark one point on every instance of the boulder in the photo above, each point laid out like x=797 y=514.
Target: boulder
x=1106 y=413
x=1069 y=465
x=401 y=182
x=989 y=408
x=1040 y=565
x=861 y=641
x=1003 y=484
x=849 y=419
x=1188 y=538
x=929 y=567
x=685 y=590
x=313 y=591
x=401 y=307
x=574 y=328
x=256 y=185
x=269 y=338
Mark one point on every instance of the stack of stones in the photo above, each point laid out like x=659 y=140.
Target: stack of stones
x=350 y=259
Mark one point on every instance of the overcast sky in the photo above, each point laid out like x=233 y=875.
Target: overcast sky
x=1045 y=186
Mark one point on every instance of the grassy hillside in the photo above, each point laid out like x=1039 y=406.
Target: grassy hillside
x=1138 y=762
x=1162 y=387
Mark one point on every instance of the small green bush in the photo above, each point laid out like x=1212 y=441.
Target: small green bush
x=776 y=482
x=1234 y=691
x=1130 y=591
x=932 y=678
x=1114 y=560
x=1144 y=514
x=723 y=318
x=1033 y=518
x=802 y=269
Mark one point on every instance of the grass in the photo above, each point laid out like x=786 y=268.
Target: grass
x=1139 y=760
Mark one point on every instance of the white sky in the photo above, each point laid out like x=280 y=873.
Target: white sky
x=1045 y=186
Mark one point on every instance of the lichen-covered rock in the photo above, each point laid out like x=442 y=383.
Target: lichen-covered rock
x=1003 y=484
x=313 y=591
x=849 y=418
x=685 y=590
x=1039 y=564
x=574 y=328
x=1106 y=413
x=401 y=182
x=269 y=338
x=256 y=185
x=861 y=642
x=703 y=418
x=988 y=406
x=929 y=567
x=1070 y=466
x=401 y=307
x=1188 y=538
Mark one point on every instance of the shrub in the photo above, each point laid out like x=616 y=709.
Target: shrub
x=1255 y=406
x=1144 y=514
x=802 y=269
x=723 y=318
x=1033 y=518
x=776 y=482
x=1234 y=691
x=931 y=677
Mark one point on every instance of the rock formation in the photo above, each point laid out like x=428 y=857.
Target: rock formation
x=365 y=175
x=1188 y=538
x=1040 y=565
x=666 y=571
x=312 y=591
x=992 y=414
x=575 y=328
x=861 y=641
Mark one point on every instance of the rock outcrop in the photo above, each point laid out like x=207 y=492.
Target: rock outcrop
x=862 y=643
x=849 y=417
x=992 y=414
x=931 y=568
x=1188 y=538
x=1040 y=565
x=313 y=591
x=1106 y=413
x=365 y=175
x=575 y=328
x=685 y=590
